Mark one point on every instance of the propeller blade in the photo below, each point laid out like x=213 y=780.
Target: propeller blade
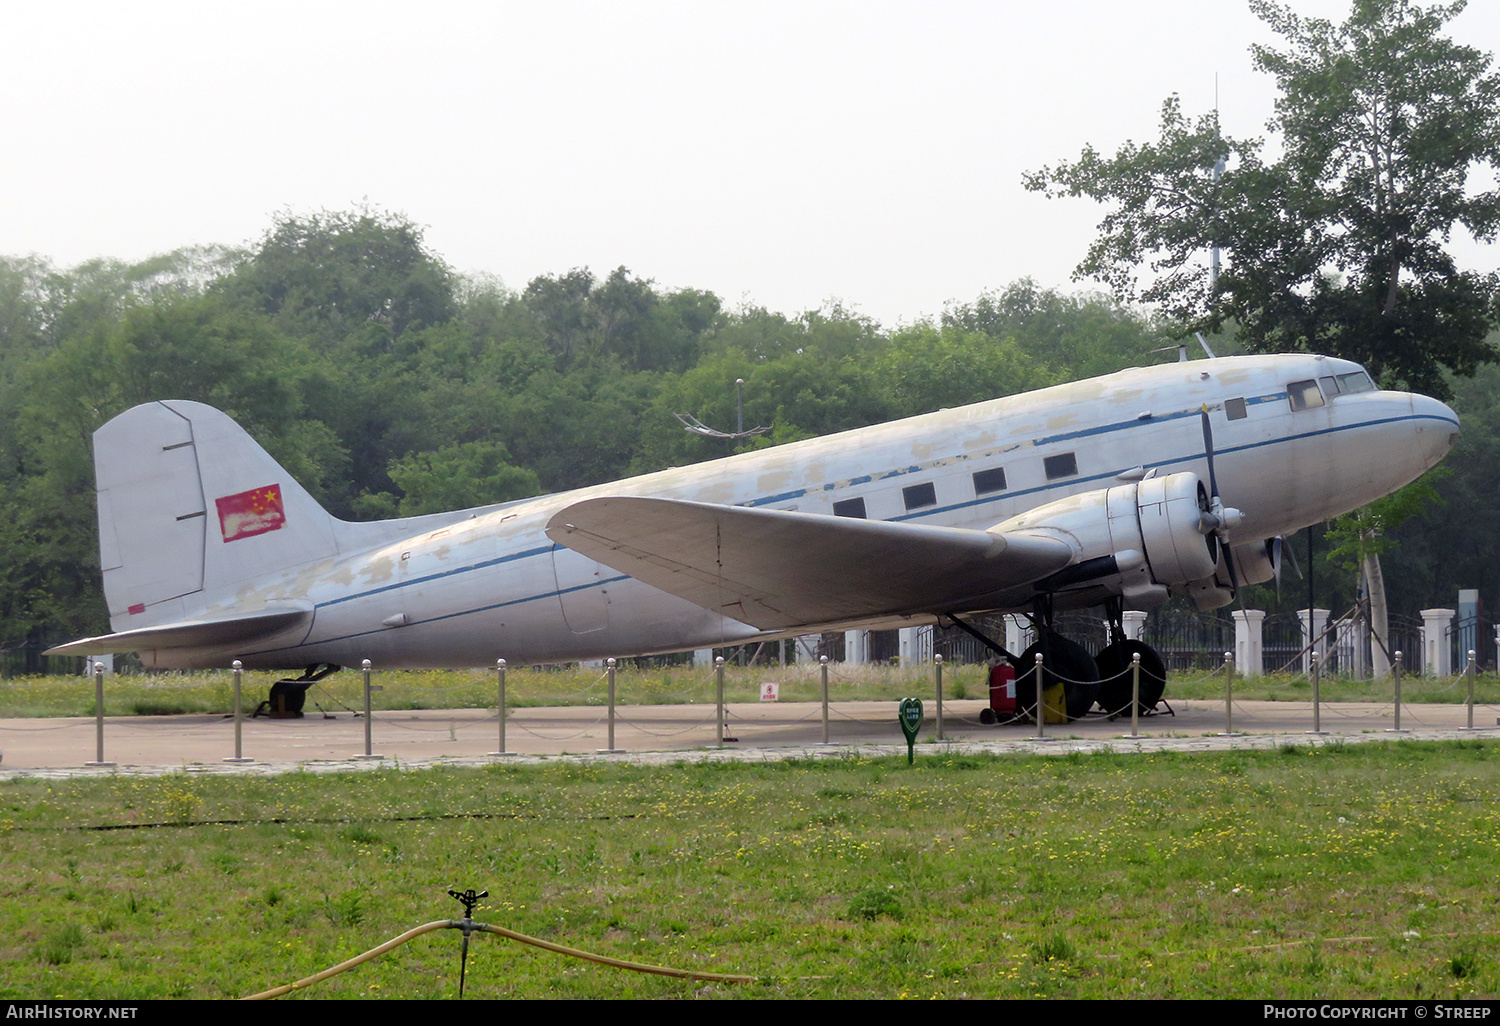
x=1234 y=578
x=1289 y=551
x=1219 y=512
x=1208 y=453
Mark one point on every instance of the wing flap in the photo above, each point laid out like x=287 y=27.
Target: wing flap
x=207 y=632
x=776 y=569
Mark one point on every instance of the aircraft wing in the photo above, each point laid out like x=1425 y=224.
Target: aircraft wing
x=205 y=632
x=776 y=569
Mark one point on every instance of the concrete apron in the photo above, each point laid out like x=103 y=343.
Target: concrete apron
x=153 y=745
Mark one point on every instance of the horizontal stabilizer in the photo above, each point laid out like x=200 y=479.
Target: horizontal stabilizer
x=776 y=569
x=207 y=632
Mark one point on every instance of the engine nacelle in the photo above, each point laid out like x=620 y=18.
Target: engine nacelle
x=1148 y=536
x=1255 y=563
x=1258 y=562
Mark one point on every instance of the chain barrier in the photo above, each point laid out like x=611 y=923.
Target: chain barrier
x=555 y=737
x=708 y=717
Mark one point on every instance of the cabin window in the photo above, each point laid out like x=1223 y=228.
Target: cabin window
x=992 y=480
x=850 y=508
x=1062 y=465
x=1304 y=395
x=918 y=496
x=1234 y=409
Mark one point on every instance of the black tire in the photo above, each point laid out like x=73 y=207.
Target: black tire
x=1071 y=665
x=289 y=696
x=1114 y=677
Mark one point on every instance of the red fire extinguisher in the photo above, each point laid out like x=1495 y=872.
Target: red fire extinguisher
x=1003 y=690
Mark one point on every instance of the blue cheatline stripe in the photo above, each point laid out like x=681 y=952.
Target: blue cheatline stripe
x=486 y=564
x=865 y=479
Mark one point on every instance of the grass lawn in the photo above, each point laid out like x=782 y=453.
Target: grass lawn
x=1358 y=871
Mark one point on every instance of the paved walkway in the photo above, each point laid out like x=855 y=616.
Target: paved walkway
x=154 y=745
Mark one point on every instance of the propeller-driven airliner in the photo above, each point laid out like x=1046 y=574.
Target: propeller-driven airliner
x=1117 y=492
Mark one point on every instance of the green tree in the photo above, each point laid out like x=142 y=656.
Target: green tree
x=1341 y=245
x=928 y=368
x=331 y=276
x=460 y=476
x=1088 y=334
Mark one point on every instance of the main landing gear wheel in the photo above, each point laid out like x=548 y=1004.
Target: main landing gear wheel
x=289 y=694
x=1070 y=680
x=1114 y=677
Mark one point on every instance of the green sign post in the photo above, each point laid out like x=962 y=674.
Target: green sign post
x=910 y=715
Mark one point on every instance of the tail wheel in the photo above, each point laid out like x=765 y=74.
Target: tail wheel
x=1070 y=680
x=1114 y=677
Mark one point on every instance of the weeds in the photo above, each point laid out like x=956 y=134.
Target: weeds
x=60 y=944
x=874 y=902
x=1055 y=948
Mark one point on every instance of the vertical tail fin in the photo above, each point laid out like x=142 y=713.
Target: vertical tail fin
x=190 y=504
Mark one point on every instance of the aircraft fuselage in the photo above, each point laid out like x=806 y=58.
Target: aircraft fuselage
x=490 y=584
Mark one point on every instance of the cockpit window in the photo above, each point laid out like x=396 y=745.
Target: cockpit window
x=1356 y=381
x=1304 y=395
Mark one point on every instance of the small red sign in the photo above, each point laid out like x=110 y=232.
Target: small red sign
x=246 y=514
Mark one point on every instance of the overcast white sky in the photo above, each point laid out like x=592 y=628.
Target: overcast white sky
x=776 y=153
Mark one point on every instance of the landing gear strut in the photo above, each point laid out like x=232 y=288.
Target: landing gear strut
x=290 y=694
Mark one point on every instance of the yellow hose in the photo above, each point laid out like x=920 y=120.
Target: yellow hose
x=457 y=924
x=394 y=942
x=640 y=967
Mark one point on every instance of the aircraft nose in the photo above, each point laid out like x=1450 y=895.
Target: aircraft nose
x=1437 y=425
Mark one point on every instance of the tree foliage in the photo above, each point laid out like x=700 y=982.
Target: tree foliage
x=335 y=275
x=1341 y=244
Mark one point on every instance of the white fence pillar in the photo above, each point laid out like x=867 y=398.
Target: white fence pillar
x=1437 y=660
x=1018 y=636
x=1311 y=631
x=914 y=645
x=1248 y=658
x=807 y=648
x=856 y=647
x=1134 y=623
x=703 y=657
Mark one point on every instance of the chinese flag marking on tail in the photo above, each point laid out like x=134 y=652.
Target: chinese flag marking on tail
x=246 y=514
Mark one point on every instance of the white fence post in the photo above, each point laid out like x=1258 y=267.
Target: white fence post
x=1312 y=634
x=807 y=648
x=1437 y=658
x=856 y=648
x=1018 y=637
x=915 y=645
x=1248 y=647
